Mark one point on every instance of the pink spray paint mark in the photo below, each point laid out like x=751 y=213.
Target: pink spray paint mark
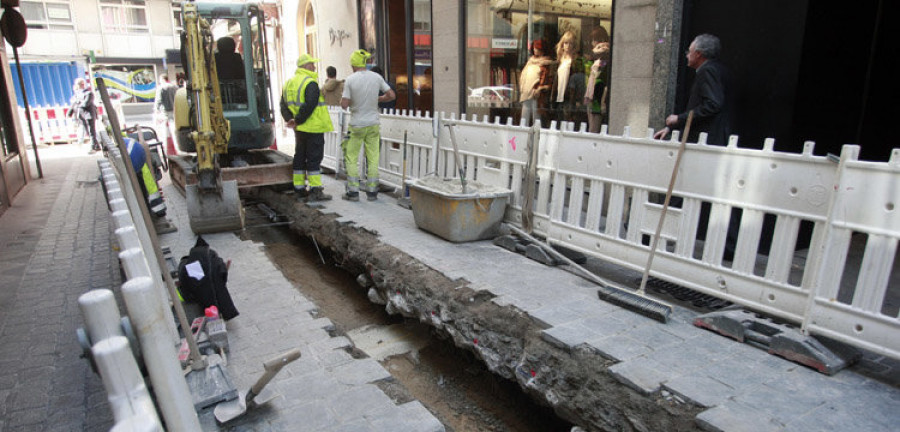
x=512 y=142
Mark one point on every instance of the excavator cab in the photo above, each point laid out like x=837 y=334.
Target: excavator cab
x=239 y=44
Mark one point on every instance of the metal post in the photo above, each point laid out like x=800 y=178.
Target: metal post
x=146 y=309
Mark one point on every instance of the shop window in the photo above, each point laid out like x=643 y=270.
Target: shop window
x=124 y=16
x=535 y=58
x=422 y=94
x=50 y=15
x=310 y=31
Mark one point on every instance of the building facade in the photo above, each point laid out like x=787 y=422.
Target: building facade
x=469 y=56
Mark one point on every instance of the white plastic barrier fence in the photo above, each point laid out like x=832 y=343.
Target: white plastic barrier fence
x=127 y=393
x=53 y=125
x=148 y=308
x=798 y=236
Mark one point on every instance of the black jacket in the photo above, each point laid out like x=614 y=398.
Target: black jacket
x=210 y=289
x=711 y=99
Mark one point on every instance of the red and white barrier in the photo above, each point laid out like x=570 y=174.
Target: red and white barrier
x=52 y=125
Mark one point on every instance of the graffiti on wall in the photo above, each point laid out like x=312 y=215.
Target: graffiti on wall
x=338 y=36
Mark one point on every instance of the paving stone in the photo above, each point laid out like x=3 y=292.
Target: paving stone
x=312 y=416
x=360 y=401
x=549 y=316
x=360 y=372
x=780 y=405
x=606 y=325
x=700 y=389
x=568 y=336
x=619 y=348
x=732 y=418
x=412 y=417
x=639 y=374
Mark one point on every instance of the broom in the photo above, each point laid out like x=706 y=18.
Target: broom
x=638 y=301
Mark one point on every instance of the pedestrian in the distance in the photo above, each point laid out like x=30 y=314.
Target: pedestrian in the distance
x=333 y=87
x=164 y=104
x=709 y=97
x=303 y=109
x=361 y=97
x=84 y=109
x=391 y=104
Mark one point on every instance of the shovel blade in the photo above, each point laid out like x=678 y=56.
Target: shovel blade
x=229 y=410
x=263 y=397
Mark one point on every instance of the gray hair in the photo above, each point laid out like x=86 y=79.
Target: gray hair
x=707 y=45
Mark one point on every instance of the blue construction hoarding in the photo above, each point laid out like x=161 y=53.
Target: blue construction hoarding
x=47 y=84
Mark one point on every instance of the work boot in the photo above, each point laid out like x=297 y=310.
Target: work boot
x=351 y=196
x=301 y=194
x=371 y=196
x=318 y=194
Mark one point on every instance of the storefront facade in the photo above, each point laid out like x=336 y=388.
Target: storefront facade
x=537 y=58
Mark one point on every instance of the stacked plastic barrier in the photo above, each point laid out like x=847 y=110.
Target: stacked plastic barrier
x=146 y=300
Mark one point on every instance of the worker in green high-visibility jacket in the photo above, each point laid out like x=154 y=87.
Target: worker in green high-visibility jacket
x=303 y=109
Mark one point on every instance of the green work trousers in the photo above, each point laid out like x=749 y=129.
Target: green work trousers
x=370 y=137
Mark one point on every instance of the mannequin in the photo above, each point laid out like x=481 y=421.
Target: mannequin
x=568 y=70
x=534 y=82
x=597 y=92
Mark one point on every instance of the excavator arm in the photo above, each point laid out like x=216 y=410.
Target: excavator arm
x=213 y=205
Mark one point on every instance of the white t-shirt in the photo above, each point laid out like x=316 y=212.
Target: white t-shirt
x=362 y=89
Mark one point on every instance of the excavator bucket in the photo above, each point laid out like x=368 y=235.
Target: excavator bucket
x=213 y=212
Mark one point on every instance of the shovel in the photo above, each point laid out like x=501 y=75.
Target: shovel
x=256 y=395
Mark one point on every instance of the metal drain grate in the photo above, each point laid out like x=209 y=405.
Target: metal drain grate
x=685 y=294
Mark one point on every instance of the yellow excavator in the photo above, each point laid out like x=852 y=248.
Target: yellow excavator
x=213 y=204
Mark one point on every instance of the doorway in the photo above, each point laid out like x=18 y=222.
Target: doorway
x=407 y=52
x=800 y=76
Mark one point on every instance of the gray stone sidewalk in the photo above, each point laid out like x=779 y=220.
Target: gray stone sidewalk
x=54 y=246
x=326 y=389
x=57 y=244
x=741 y=387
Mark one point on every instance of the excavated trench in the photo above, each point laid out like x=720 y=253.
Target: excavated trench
x=477 y=365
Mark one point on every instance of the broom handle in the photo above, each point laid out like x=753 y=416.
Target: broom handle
x=403 y=183
x=585 y=273
x=662 y=216
x=459 y=166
